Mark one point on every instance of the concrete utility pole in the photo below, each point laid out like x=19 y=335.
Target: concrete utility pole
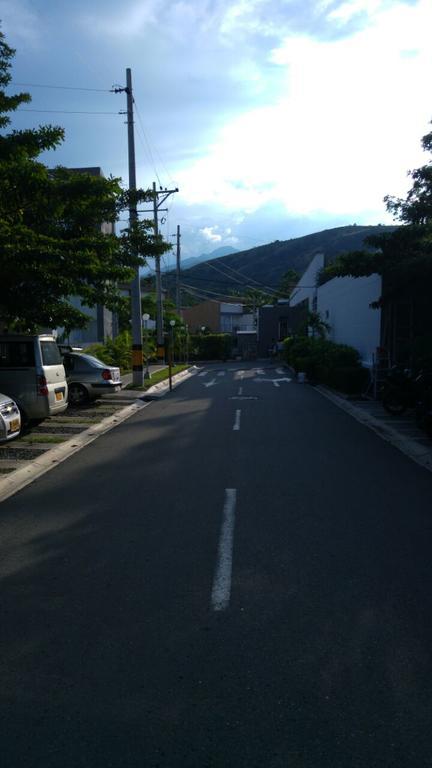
x=178 y=307
x=164 y=194
x=137 y=349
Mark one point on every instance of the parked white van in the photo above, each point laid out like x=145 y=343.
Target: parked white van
x=32 y=373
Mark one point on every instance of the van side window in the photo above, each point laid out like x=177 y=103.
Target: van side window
x=17 y=354
x=50 y=353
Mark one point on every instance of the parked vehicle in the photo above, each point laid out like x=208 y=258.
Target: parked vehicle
x=32 y=374
x=10 y=419
x=399 y=391
x=404 y=390
x=424 y=402
x=89 y=378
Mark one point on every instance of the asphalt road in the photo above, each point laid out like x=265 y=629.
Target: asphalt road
x=239 y=576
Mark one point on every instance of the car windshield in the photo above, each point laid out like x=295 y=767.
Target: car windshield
x=50 y=353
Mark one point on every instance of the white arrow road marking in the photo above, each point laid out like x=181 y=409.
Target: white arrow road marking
x=240 y=390
x=259 y=372
x=210 y=383
x=221 y=373
x=274 y=381
x=236 y=426
x=221 y=591
x=204 y=373
x=280 y=371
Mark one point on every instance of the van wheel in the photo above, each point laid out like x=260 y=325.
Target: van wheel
x=78 y=394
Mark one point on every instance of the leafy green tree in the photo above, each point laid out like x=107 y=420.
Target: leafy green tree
x=288 y=282
x=51 y=243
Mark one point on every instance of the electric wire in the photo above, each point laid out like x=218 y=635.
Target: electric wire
x=67 y=112
x=61 y=87
x=141 y=125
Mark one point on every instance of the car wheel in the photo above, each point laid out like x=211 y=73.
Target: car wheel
x=25 y=421
x=78 y=394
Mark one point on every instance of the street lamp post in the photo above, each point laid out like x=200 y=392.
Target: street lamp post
x=172 y=324
x=146 y=318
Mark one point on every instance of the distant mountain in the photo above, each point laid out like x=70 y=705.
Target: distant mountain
x=194 y=261
x=263 y=267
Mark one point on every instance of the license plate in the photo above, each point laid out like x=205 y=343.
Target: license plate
x=59 y=395
x=14 y=425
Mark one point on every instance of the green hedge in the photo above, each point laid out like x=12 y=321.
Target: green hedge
x=210 y=346
x=325 y=362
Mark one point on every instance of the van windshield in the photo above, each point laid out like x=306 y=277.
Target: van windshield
x=50 y=353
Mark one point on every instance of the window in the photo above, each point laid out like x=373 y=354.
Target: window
x=50 y=353
x=16 y=354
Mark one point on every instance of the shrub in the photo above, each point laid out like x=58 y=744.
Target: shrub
x=116 y=351
x=210 y=346
x=323 y=361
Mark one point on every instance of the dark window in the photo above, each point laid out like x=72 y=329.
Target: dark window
x=50 y=353
x=69 y=363
x=16 y=354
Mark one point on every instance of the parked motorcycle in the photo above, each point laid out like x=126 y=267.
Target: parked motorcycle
x=399 y=391
x=403 y=390
x=423 y=406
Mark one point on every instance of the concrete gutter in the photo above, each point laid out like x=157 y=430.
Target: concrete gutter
x=18 y=479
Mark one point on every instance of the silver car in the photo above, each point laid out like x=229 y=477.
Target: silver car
x=10 y=419
x=88 y=377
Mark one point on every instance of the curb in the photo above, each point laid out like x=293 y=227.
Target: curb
x=406 y=445
x=162 y=388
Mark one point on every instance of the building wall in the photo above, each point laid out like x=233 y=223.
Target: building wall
x=306 y=287
x=276 y=322
x=205 y=314
x=344 y=303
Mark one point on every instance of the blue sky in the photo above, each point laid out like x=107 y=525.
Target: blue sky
x=275 y=118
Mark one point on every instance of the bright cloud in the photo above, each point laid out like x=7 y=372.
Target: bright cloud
x=210 y=234
x=345 y=131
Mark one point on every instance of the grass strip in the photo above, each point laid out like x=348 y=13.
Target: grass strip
x=158 y=376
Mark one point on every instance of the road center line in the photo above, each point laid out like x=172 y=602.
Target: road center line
x=236 y=426
x=240 y=390
x=221 y=591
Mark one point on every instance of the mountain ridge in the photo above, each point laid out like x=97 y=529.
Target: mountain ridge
x=263 y=266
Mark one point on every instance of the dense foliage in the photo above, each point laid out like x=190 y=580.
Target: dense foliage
x=210 y=346
x=323 y=361
x=51 y=240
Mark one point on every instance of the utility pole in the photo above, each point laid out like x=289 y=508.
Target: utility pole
x=159 y=301
x=164 y=193
x=137 y=349
x=178 y=307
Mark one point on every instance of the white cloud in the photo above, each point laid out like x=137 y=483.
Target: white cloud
x=130 y=21
x=19 y=22
x=210 y=234
x=342 y=135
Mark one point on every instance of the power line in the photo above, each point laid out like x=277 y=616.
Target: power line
x=68 y=112
x=62 y=87
x=147 y=142
x=150 y=150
